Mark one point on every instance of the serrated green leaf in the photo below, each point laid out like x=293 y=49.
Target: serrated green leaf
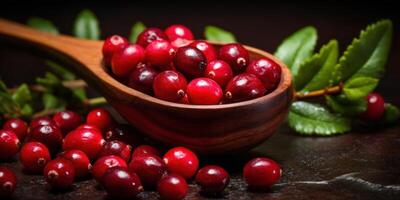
x=359 y=87
x=42 y=25
x=50 y=80
x=314 y=73
x=22 y=95
x=392 y=113
x=313 y=119
x=349 y=109
x=60 y=70
x=136 y=29
x=87 y=26
x=216 y=34
x=297 y=47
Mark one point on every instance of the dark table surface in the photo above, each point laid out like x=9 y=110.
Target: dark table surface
x=362 y=164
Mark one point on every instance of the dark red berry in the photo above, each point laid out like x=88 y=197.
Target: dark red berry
x=116 y=148
x=142 y=79
x=121 y=183
x=170 y=85
x=88 y=126
x=145 y=150
x=123 y=62
x=111 y=45
x=375 y=107
x=59 y=173
x=182 y=161
x=80 y=161
x=18 y=126
x=8 y=182
x=204 y=91
x=34 y=156
x=49 y=135
x=104 y=163
x=219 y=71
x=149 y=35
x=89 y=141
x=100 y=118
x=9 y=144
x=235 y=55
x=124 y=133
x=190 y=61
x=208 y=49
x=41 y=121
x=67 y=121
x=212 y=179
x=176 y=31
x=267 y=71
x=150 y=169
x=261 y=173
x=160 y=54
x=180 y=42
x=243 y=87
x=172 y=187
x=184 y=100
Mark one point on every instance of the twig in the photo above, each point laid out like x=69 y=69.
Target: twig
x=329 y=90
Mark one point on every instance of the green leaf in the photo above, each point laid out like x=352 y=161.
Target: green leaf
x=392 y=113
x=22 y=95
x=314 y=73
x=50 y=80
x=86 y=26
x=216 y=34
x=26 y=110
x=80 y=93
x=42 y=25
x=313 y=119
x=51 y=102
x=136 y=29
x=60 y=70
x=346 y=108
x=359 y=87
x=297 y=47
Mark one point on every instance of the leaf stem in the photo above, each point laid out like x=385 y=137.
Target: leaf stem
x=96 y=101
x=326 y=91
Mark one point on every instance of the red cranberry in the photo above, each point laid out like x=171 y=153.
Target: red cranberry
x=149 y=168
x=116 y=148
x=212 y=179
x=88 y=126
x=172 y=187
x=375 y=107
x=243 y=87
x=9 y=144
x=41 y=121
x=235 y=55
x=67 y=121
x=160 y=54
x=104 y=163
x=101 y=118
x=121 y=183
x=142 y=79
x=123 y=62
x=80 y=161
x=124 y=133
x=204 y=91
x=89 y=141
x=49 y=135
x=34 y=156
x=149 y=35
x=8 y=182
x=190 y=61
x=182 y=161
x=170 y=85
x=180 y=42
x=145 y=150
x=208 y=49
x=111 y=45
x=18 y=126
x=219 y=71
x=59 y=173
x=261 y=173
x=174 y=32
x=267 y=71
x=184 y=100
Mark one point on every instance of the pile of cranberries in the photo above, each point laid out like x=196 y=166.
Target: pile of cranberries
x=172 y=66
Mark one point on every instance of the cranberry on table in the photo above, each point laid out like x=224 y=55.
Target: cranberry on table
x=88 y=126
x=243 y=87
x=34 y=156
x=267 y=71
x=208 y=49
x=219 y=71
x=121 y=183
x=100 y=118
x=59 y=173
x=145 y=150
x=67 y=121
x=182 y=161
x=190 y=61
x=149 y=35
x=212 y=179
x=176 y=31
x=49 y=135
x=9 y=144
x=375 y=107
x=89 y=141
x=8 y=182
x=18 y=126
x=124 y=61
x=142 y=79
x=170 y=86
x=111 y=45
x=116 y=148
x=160 y=54
x=101 y=166
x=79 y=160
x=235 y=55
x=261 y=173
x=124 y=133
x=41 y=121
x=172 y=187
x=149 y=168
x=204 y=91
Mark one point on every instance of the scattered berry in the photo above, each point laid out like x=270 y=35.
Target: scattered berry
x=261 y=173
x=89 y=141
x=9 y=144
x=41 y=121
x=375 y=107
x=182 y=161
x=100 y=118
x=59 y=173
x=212 y=179
x=49 y=135
x=172 y=187
x=104 y=163
x=67 y=121
x=121 y=183
x=149 y=168
x=145 y=150
x=8 y=182
x=116 y=148
x=18 y=126
x=79 y=160
x=34 y=156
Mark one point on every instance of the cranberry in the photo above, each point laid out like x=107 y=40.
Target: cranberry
x=59 y=173
x=261 y=173
x=117 y=148
x=111 y=45
x=8 y=182
x=104 y=163
x=121 y=183
x=18 y=126
x=204 y=91
x=170 y=85
x=219 y=71
x=49 y=135
x=89 y=141
x=375 y=107
x=208 y=49
x=149 y=168
x=182 y=161
x=145 y=150
x=101 y=118
x=67 y=121
x=243 y=87
x=235 y=55
x=90 y=127
x=9 y=144
x=149 y=35
x=180 y=42
x=142 y=79
x=122 y=132
x=174 y=32
x=172 y=187
x=212 y=179
x=160 y=54
x=267 y=71
x=41 y=121
x=34 y=156
x=184 y=100
x=79 y=160
x=191 y=61
x=124 y=61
